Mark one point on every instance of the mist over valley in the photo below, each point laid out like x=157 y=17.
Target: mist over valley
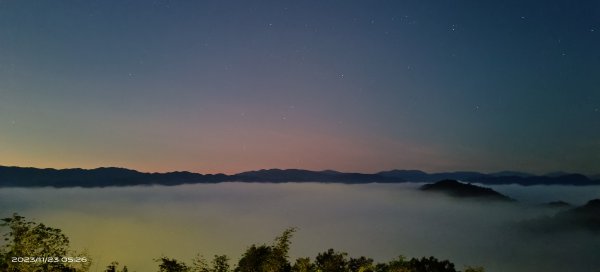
x=136 y=224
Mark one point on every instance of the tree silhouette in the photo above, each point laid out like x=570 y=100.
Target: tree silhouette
x=430 y=264
x=361 y=264
x=303 y=265
x=220 y=263
x=114 y=267
x=474 y=269
x=257 y=259
x=332 y=261
x=171 y=265
x=26 y=239
x=199 y=264
x=265 y=258
x=396 y=265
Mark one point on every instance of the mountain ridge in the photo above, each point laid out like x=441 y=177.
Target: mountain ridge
x=14 y=176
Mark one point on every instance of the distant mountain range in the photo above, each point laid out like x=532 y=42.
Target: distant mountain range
x=111 y=176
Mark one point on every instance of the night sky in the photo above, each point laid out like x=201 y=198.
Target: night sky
x=229 y=86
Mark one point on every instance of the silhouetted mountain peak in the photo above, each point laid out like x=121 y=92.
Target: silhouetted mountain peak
x=591 y=206
x=463 y=190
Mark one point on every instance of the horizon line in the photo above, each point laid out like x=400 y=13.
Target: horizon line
x=284 y=169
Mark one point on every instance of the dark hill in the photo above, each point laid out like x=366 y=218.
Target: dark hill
x=463 y=190
x=586 y=217
x=557 y=204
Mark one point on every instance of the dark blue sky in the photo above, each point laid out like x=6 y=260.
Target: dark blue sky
x=227 y=86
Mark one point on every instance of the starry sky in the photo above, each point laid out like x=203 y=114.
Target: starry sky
x=230 y=86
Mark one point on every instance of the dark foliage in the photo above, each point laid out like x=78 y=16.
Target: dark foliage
x=28 y=239
x=171 y=265
x=331 y=261
x=114 y=267
x=263 y=258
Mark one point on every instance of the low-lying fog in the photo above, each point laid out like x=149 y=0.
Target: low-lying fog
x=134 y=225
